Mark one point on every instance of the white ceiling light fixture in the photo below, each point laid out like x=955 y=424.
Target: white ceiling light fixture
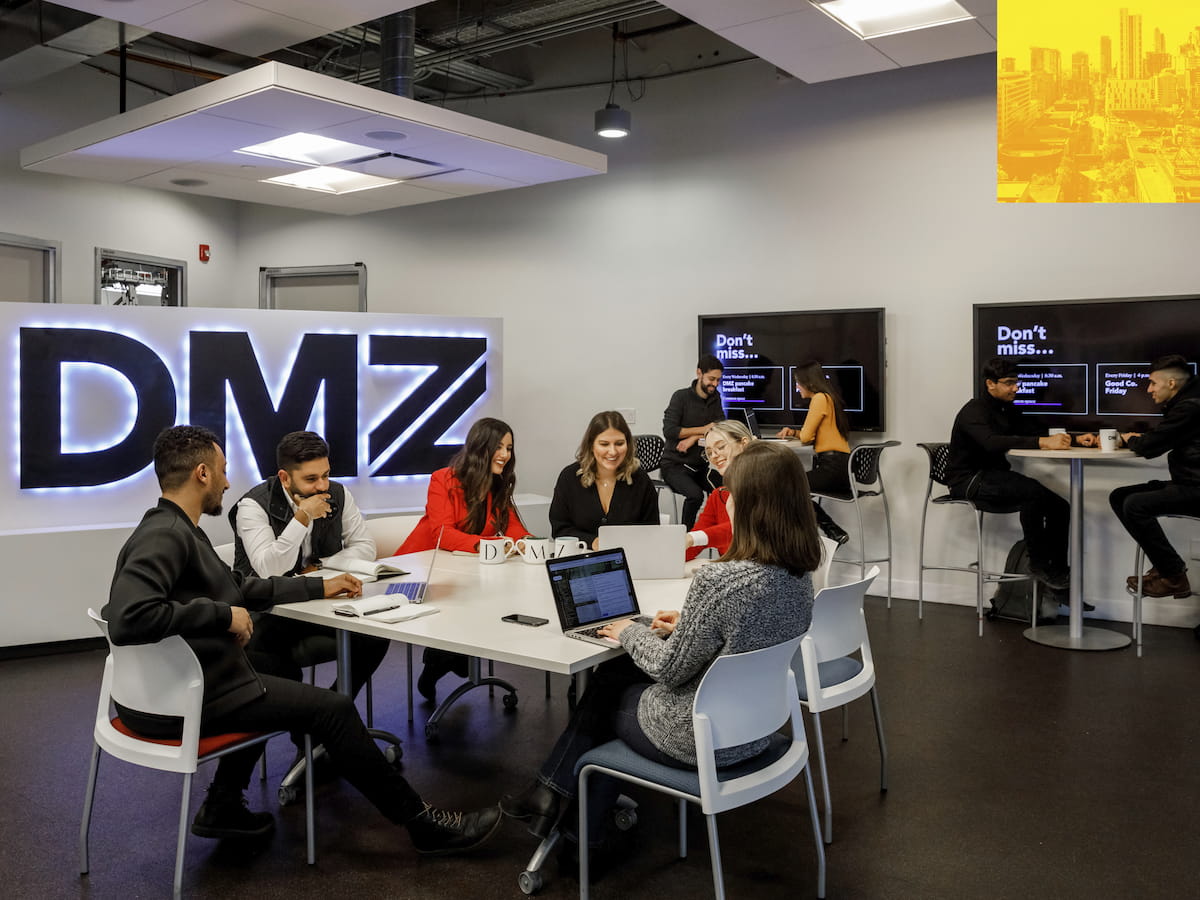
x=877 y=18
x=331 y=180
x=310 y=149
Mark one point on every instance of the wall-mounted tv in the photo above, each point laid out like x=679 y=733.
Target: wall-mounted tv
x=1083 y=364
x=761 y=350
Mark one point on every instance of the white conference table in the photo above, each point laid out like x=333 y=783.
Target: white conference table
x=471 y=598
x=1074 y=636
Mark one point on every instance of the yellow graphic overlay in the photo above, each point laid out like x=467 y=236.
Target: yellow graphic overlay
x=1098 y=102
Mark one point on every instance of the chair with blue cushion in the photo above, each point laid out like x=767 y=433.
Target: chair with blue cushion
x=838 y=629
x=721 y=718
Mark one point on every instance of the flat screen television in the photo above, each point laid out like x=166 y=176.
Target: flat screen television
x=761 y=350
x=1083 y=364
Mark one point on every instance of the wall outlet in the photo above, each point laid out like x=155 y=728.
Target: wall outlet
x=631 y=417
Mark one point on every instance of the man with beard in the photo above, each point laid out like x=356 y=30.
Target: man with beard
x=169 y=580
x=686 y=421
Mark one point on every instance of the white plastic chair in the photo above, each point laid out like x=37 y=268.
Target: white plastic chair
x=389 y=532
x=226 y=553
x=722 y=718
x=164 y=679
x=839 y=628
x=820 y=577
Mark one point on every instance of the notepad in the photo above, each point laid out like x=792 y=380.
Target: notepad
x=365 y=570
x=385 y=608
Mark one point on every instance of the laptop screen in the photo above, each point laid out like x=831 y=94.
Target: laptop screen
x=592 y=587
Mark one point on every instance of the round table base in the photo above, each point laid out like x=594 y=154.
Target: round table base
x=1091 y=639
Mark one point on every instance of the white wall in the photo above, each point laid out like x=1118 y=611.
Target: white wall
x=739 y=192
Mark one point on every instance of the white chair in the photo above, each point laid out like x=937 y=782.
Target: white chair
x=820 y=576
x=722 y=718
x=165 y=679
x=226 y=553
x=389 y=532
x=839 y=628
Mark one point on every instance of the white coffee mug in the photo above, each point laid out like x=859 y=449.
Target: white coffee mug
x=568 y=546
x=1053 y=431
x=535 y=550
x=495 y=550
x=1109 y=439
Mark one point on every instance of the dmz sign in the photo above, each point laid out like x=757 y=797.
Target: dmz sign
x=92 y=387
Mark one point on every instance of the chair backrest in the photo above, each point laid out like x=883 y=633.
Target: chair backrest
x=164 y=679
x=649 y=450
x=864 y=463
x=722 y=718
x=939 y=455
x=838 y=628
x=820 y=577
x=226 y=553
x=389 y=532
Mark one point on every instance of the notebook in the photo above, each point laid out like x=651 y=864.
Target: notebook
x=591 y=590
x=653 y=551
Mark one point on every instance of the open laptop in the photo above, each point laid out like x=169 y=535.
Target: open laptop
x=653 y=551
x=415 y=591
x=591 y=590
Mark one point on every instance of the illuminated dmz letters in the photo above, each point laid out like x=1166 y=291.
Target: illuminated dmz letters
x=226 y=359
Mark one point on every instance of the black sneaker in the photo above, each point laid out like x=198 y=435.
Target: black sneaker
x=224 y=814
x=436 y=832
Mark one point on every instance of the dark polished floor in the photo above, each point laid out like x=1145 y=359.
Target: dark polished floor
x=1016 y=771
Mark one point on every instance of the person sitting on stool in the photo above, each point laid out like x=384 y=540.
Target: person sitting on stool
x=686 y=420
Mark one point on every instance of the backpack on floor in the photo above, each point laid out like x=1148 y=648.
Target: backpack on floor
x=1013 y=599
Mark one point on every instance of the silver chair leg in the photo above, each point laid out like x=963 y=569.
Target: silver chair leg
x=845 y=721
x=182 y=838
x=682 y=829
x=582 y=802
x=1139 y=560
x=979 y=574
x=714 y=850
x=309 y=818
x=816 y=829
x=887 y=522
x=882 y=742
x=85 y=824
x=823 y=771
x=370 y=705
x=408 y=647
x=921 y=559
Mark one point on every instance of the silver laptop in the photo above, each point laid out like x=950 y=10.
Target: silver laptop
x=654 y=551
x=590 y=590
x=415 y=591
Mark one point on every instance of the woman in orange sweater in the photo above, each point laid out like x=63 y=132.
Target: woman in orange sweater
x=468 y=500
x=825 y=427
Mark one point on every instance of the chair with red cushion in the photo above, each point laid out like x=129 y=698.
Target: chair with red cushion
x=164 y=679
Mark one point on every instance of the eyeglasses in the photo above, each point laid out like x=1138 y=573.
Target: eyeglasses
x=1007 y=382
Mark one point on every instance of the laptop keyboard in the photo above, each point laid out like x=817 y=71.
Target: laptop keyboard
x=410 y=589
x=595 y=632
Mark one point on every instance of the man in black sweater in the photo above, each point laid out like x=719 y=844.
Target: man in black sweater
x=169 y=580
x=686 y=421
x=1138 y=506
x=978 y=470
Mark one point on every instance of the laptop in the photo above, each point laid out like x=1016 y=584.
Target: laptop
x=415 y=591
x=590 y=590
x=653 y=551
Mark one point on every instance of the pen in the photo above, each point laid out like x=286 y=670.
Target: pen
x=385 y=609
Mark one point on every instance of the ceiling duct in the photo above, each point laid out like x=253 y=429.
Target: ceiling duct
x=397 y=53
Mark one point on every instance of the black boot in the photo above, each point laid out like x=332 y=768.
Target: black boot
x=832 y=529
x=437 y=664
x=224 y=814
x=539 y=804
x=437 y=832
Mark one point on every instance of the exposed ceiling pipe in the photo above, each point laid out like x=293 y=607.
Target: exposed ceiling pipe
x=396 y=52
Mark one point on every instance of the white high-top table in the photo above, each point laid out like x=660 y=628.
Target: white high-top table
x=1074 y=636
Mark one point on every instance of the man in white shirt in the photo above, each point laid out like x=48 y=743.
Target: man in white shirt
x=285 y=526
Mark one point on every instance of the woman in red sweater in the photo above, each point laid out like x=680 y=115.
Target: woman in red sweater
x=724 y=441
x=468 y=500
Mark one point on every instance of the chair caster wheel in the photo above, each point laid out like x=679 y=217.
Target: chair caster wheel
x=625 y=819
x=288 y=795
x=393 y=754
x=510 y=701
x=431 y=731
x=529 y=882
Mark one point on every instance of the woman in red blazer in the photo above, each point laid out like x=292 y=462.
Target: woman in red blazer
x=468 y=500
x=724 y=441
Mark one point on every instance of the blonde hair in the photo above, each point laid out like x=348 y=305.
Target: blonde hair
x=601 y=422
x=732 y=430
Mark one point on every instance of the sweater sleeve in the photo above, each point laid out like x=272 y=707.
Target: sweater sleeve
x=691 y=647
x=818 y=409
x=714 y=522
x=445 y=508
x=1180 y=425
x=673 y=419
x=564 y=506
x=646 y=499
x=976 y=423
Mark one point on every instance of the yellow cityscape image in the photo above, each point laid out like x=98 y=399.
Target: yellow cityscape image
x=1098 y=102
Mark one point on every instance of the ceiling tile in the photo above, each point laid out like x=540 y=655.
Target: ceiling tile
x=788 y=36
x=718 y=14
x=838 y=61
x=989 y=24
x=925 y=45
x=131 y=12
x=235 y=26
x=335 y=16
x=979 y=7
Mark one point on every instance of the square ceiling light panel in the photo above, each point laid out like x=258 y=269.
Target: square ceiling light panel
x=878 y=18
x=222 y=139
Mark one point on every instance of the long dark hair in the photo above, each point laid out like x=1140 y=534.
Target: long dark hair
x=773 y=518
x=813 y=379
x=472 y=466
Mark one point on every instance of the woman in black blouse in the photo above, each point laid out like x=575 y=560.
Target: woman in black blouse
x=604 y=486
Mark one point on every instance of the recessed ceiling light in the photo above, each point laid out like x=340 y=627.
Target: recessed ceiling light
x=189 y=182
x=331 y=180
x=877 y=18
x=386 y=135
x=311 y=149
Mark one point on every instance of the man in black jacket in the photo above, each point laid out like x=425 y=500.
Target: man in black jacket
x=686 y=420
x=978 y=470
x=169 y=580
x=1138 y=506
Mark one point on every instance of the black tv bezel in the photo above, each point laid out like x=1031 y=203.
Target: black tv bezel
x=1074 y=301
x=881 y=348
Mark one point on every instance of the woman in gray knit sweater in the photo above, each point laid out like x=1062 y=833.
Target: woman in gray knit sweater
x=757 y=595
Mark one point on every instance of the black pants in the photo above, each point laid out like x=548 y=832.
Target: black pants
x=1045 y=516
x=1138 y=506
x=281 y=646
x=830 y=473
x=691 y=483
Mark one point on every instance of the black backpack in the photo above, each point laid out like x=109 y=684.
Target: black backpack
x=1013 y=599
